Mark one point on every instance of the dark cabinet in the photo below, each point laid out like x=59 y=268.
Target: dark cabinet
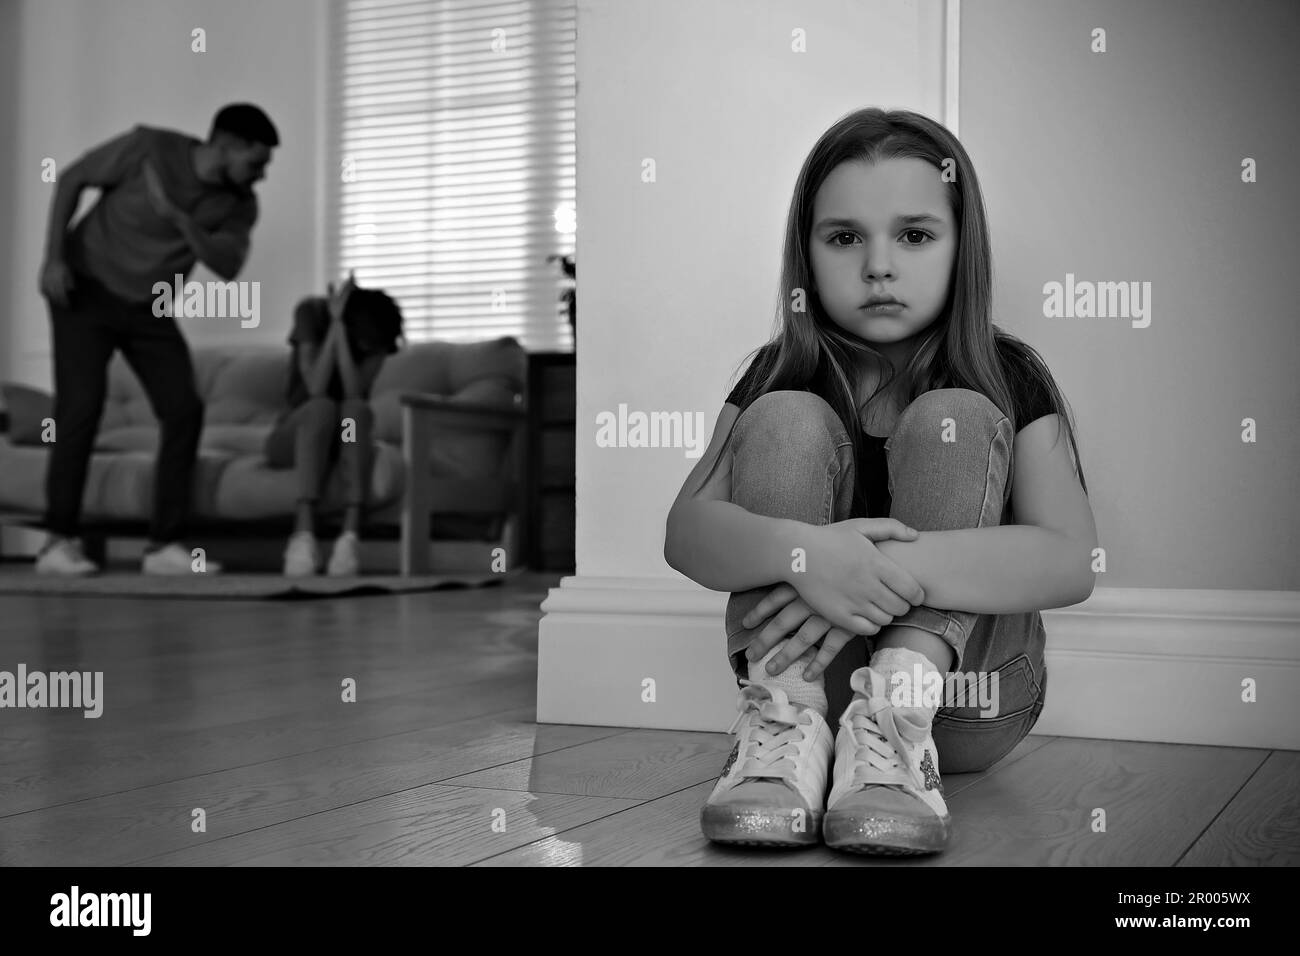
x=552 y=423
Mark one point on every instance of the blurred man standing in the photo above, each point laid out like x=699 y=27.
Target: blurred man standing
x=168 y=201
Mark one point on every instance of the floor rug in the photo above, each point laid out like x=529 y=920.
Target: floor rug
x=128 y=582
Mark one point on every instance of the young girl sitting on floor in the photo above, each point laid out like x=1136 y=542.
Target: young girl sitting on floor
x=891 y=468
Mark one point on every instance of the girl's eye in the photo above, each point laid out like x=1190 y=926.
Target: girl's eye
x=835 y=239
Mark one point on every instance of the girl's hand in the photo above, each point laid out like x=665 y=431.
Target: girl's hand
x=338 y=299
x=857 y=589
x=849 y=582
x=789 y=612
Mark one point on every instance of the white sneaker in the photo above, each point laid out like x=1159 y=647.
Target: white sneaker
x=175 y=559
x=301 y=557
x=773 y=787
x=887 y=797
x=345 y=559
x=64 y=556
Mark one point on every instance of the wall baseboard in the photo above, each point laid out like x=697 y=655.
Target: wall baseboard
x=1128 y=664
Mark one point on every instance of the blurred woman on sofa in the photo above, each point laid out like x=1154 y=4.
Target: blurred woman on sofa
x=339 y=344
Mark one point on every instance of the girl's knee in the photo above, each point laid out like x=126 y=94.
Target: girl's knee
x=320 y=408
x=953 y=401
x=928 y=411
x=358 y=409
x=789 y=415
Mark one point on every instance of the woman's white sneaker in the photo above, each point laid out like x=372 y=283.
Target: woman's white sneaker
x=301 y=555
x=345 y=559
x=63 y=556
x=886 y=797
x=773 y=787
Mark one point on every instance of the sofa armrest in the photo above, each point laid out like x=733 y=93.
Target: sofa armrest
x=441 y=410
x=421 y=414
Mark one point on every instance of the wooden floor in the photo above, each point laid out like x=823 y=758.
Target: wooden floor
x=235 y=707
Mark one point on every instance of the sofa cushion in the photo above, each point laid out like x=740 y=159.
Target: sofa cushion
x=444 y=368
x=22 y=477
x=249 y=490
x=240 y=386
x=27 y=409
x=119 y=486
x=231 y=440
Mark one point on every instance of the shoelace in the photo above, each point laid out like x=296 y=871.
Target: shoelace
x=878 y=730
x=772 y=743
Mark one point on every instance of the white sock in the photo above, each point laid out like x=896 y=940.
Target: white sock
x=810 y=693
x=891 y=661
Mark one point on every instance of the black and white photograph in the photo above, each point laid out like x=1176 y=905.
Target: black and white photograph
x=905 y=481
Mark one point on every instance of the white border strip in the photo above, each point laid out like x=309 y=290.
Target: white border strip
x=952 y=66
x=324 y=56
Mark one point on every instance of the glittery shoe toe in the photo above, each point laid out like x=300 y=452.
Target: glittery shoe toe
x=885 y=820
x=761 y=813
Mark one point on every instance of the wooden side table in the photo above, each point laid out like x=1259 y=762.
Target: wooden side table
x=552 y=470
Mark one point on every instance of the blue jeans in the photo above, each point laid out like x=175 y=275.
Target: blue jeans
x=791 y=458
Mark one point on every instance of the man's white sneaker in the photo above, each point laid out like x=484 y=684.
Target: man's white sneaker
x=773 y=787
x=176 y=559
x=345 y=559
x=301 y=557
x=886 y=796
x=64 y=556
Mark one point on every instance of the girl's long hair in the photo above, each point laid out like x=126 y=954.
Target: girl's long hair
x=959 y=350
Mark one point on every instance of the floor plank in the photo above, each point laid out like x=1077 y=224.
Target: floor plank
x=90 y=768
x=433 y=825
x=1261 y=826
x=666 y=832
x=1039 y=812
x=639 y=764
x=150 y=821
x=179 y=667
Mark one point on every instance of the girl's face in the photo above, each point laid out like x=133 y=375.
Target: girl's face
x=883 y=229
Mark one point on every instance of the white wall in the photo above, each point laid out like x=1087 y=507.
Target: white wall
x=77 y=72
x=1127 y=166
x=679 y=277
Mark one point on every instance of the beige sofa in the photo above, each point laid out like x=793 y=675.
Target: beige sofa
x=456 y=409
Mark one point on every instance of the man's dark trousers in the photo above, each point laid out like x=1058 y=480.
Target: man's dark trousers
x=85 y=336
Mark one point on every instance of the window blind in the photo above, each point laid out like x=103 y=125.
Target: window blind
x=453 y=139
